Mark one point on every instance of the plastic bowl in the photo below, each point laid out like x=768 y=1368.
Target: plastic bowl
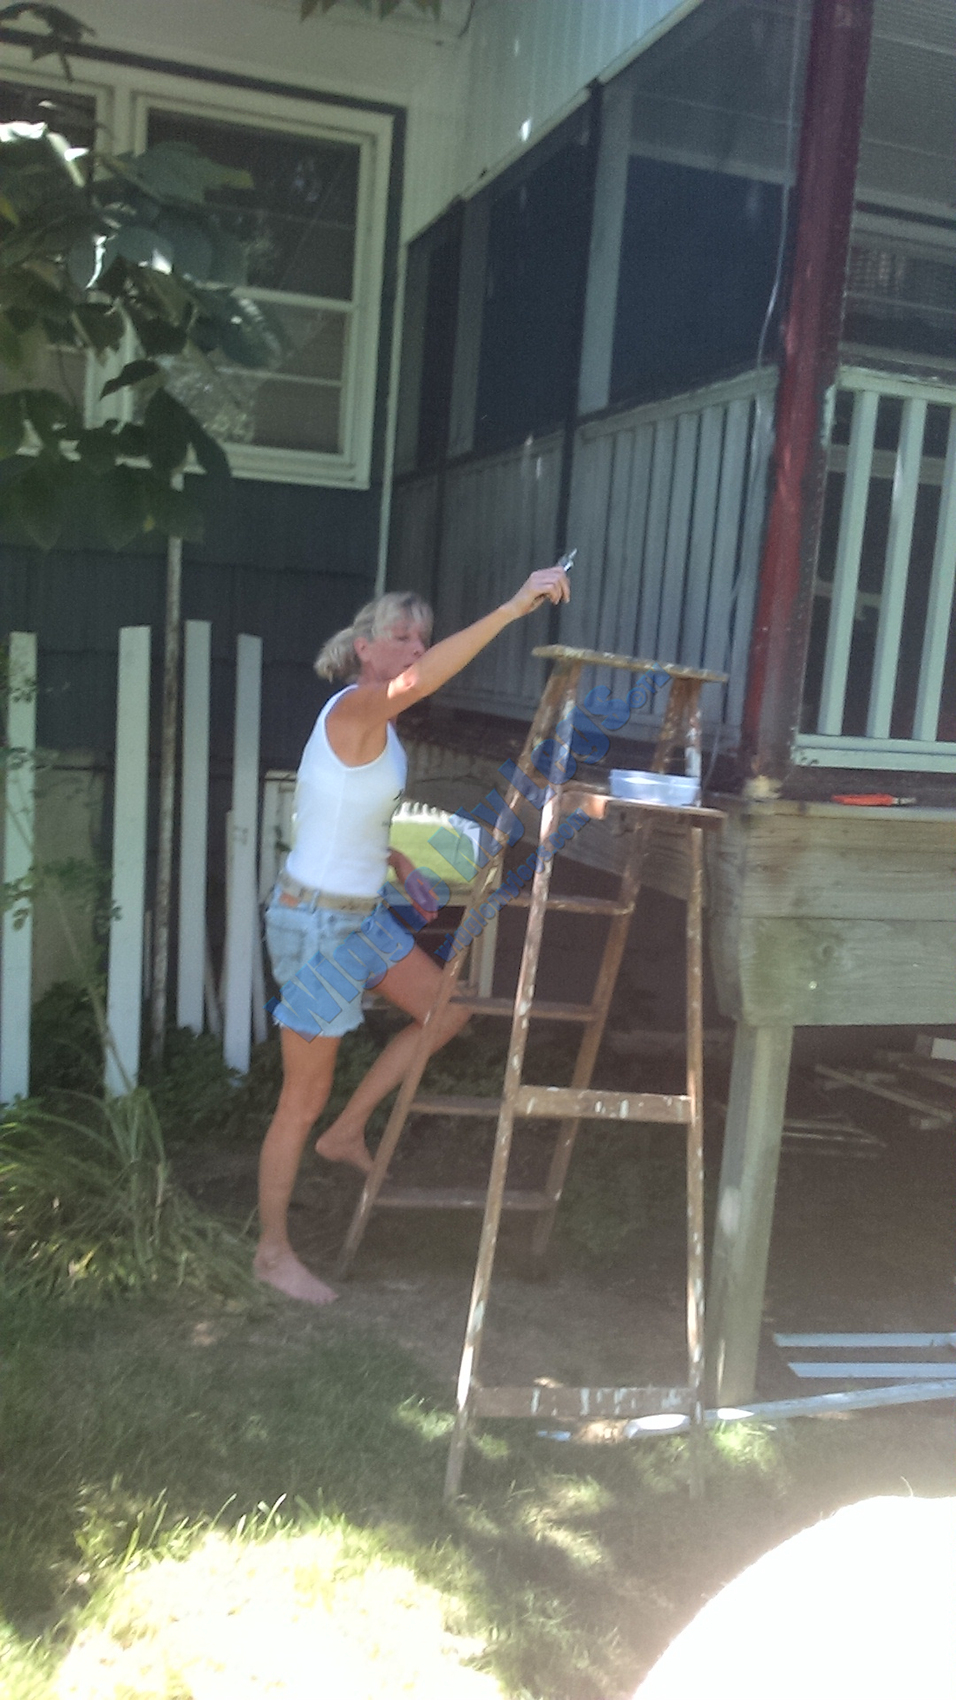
x=674 y=790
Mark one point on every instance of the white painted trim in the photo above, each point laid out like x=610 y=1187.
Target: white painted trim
x=894 y=754
x=391 y=423
x=846 y=571
x=939 y=605
x=16 y=951
x=241 y=917
x=896 y=384
x=896 y=571
x=124 y=992
x=193 y=826
x=604 y=261
x=761 y=381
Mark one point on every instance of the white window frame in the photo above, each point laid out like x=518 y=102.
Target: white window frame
x=124 y=96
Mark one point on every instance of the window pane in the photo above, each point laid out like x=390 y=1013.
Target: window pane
x=298 y=222
x=715 y=115
x=536 y=246
x=71 y=115
x=240 y=406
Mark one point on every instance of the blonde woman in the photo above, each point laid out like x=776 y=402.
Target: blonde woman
x=326 y=905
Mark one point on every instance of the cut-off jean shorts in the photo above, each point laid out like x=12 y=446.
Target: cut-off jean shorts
x=323 y=960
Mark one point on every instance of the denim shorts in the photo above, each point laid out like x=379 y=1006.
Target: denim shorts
x=324 y=959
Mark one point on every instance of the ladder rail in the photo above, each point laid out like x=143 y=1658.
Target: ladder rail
x=569 y=674
x=395 y=1125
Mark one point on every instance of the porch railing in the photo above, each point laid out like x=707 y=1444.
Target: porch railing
x=881 y=690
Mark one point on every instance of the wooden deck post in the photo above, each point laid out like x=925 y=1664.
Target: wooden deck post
x=748 y=1181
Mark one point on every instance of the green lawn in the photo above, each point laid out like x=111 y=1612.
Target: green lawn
x=200 y=1499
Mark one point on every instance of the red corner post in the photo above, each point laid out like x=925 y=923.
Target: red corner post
x=838 y=56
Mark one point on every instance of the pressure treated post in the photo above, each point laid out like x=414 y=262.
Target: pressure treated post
x=748 y=1181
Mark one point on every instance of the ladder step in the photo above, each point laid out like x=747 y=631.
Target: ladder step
x=453 y=1105
x=455 y=1198
x=575 y=905
x=580 y=1403
x=541 y=1010
x=574 y=1101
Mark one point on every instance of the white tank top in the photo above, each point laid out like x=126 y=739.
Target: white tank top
x=342 y=814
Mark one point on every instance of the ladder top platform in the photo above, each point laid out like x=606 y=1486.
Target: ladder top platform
x=627 y=663
x=597 y=802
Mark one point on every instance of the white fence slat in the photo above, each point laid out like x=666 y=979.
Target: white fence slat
x=730 y=497
x=657 y=518
x=124 y=992
x=700 y=552
x=678 y=532
x=896 y=571
x=846 y=571
x=16 y=952
x=745 y=594
x=193 y=826
x=241 y=917
x=939 y=609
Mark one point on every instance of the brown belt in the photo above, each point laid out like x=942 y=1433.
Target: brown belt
x=326 y=899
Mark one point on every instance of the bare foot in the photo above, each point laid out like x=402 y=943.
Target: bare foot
x=338 y=1146
x=282 y=1269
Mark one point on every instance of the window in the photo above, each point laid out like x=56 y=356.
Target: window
x=901 y=285
x=313 y=225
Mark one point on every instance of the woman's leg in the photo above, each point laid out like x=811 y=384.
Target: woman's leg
x=307 y=1069
x=411 y=985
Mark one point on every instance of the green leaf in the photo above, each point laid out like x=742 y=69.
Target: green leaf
x=176 y=512
x=54 y=419
x=123 y=503
x=37 y=501
x=102 y=326
x=83 y=262
x=136 y=372
x=168 y=427
x=11 y=348
x=157 y=336
x=98 y=449
x=192 y=249
x=140 y=246
x=210 y=456
x=12 y=423
x=132 y=441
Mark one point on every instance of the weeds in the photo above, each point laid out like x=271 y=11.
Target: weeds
x=88 y=1207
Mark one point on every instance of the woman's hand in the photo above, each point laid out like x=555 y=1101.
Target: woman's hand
x=550 y=582
x=417 y=889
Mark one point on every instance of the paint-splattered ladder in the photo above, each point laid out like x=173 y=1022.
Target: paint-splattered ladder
x=568 y=1105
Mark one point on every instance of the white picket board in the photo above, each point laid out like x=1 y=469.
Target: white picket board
x=657 y=522
x=193 y=826
x=896 y=570
x=700 y=554
x=241 y=916
x=846 y=571
x=16 y=953
x=678 y=534
x=745 y=591
x=124 y=991
x=939 y=607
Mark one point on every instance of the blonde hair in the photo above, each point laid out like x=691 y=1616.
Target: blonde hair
x=337 y=658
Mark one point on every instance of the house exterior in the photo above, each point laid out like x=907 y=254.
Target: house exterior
x=673 y=283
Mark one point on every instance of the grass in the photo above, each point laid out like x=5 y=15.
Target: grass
x=89 y=1207
x=184 y=1481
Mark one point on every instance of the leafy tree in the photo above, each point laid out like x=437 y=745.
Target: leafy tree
x=119 y=256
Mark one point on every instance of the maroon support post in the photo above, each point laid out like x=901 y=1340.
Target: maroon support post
x=826 y=176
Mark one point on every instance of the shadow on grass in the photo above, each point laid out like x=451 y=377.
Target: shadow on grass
x=125 y=1428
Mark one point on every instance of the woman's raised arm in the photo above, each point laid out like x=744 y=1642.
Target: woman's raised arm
x=372 y=704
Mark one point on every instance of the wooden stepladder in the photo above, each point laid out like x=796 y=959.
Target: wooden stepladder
x=568 y=1105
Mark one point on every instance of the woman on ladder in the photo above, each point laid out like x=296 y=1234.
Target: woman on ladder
x=327 y=898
